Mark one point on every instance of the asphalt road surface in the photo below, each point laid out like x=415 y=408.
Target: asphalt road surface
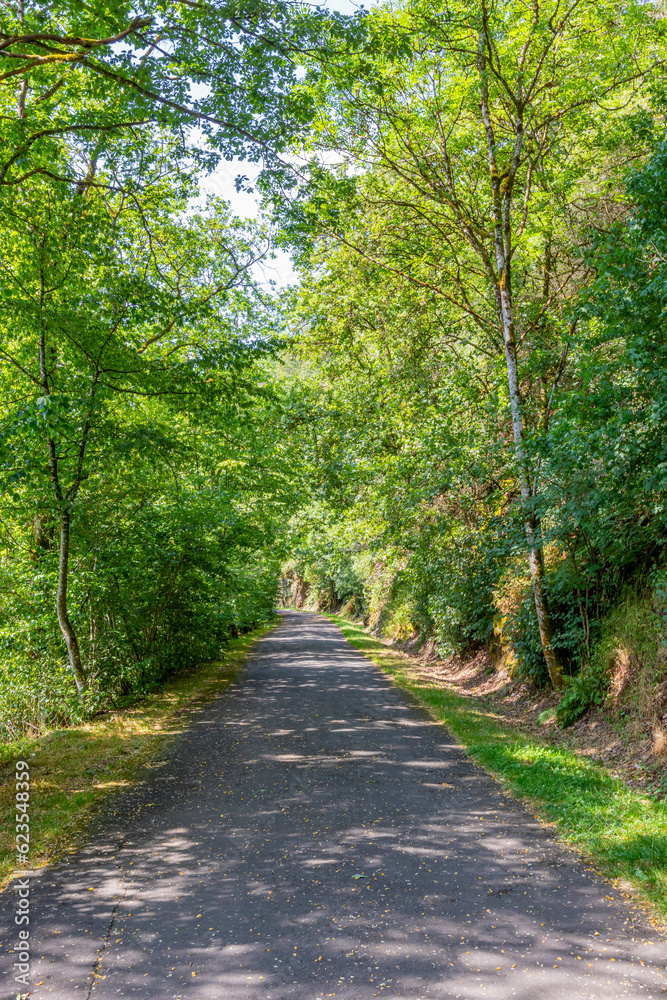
x=314 y=834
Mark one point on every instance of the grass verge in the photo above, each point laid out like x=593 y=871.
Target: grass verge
x=622 y=831
x=73 y=770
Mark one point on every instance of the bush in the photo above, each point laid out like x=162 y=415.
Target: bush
x=587 y=689
x=626 y=663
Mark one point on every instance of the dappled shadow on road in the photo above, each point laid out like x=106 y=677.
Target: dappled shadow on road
x=316 y=835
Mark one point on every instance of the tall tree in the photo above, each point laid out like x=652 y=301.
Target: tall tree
x=102 y=300
x=485 y=147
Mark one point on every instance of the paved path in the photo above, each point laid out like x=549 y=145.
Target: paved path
x=316 y=835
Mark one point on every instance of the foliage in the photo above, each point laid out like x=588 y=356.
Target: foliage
x=135 y=439
x=78 y=82
x=627 y=664
x=414 y=435
x=432 y=428
x=143 y=477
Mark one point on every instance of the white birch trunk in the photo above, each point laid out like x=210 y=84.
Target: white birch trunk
x=502 y=185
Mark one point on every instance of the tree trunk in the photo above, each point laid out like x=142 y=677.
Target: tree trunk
x=531 y=526
x=66 y=626
x=502 y=185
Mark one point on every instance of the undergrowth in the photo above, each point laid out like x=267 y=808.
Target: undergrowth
x=621 y=830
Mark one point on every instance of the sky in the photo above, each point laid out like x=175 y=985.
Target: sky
x=243 y=204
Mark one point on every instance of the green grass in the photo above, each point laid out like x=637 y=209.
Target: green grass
x=73 y=770
x=622 y=831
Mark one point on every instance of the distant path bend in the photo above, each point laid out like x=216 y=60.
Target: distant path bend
x=314 y=834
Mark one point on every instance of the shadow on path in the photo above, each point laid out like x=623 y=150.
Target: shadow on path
x=316 y=835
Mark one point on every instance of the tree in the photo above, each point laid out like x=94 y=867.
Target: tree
x=74 y=76
x=105 y=300
x=483 y=150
